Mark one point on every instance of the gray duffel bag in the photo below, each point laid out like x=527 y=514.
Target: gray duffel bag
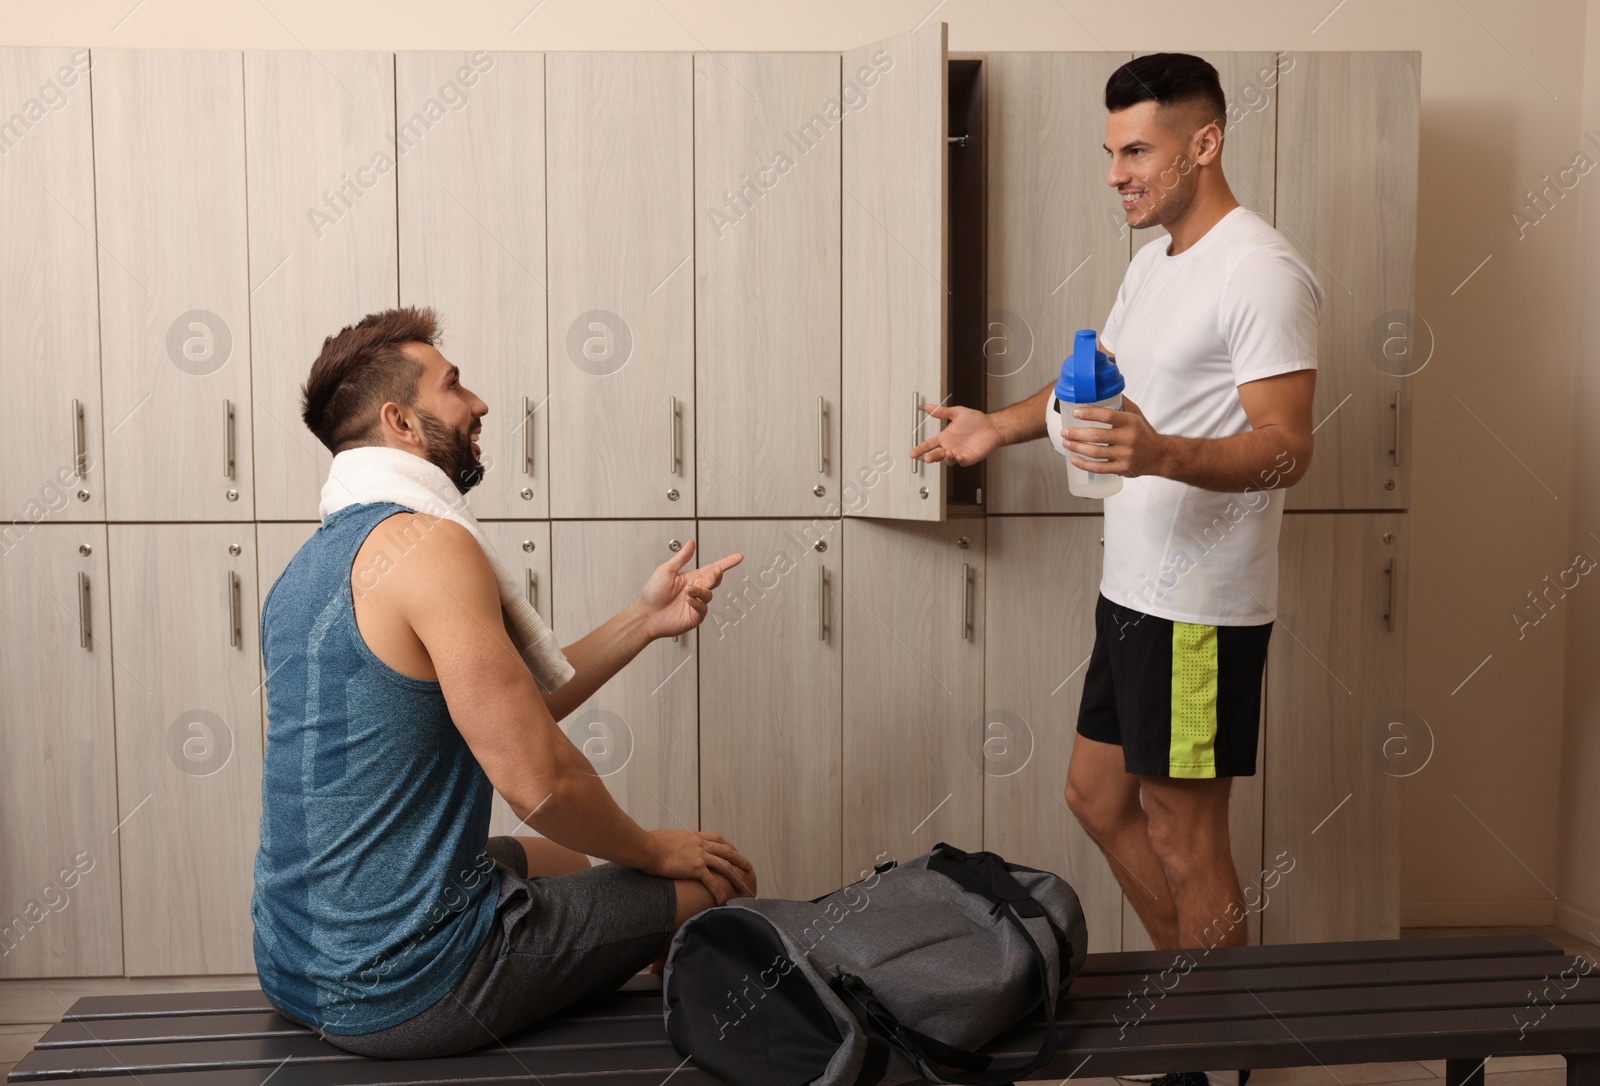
x=900 y=976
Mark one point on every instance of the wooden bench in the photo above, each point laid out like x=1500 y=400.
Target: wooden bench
x=1461 y=1000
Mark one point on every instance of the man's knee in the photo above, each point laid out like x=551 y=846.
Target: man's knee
x=1188 y=826
x=1100 y=807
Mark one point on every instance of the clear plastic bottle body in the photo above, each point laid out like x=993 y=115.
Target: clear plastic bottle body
x=1083 y=484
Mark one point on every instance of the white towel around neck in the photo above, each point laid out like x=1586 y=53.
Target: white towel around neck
x=376 y=473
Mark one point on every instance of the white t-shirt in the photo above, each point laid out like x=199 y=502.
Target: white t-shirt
x=1186 y=330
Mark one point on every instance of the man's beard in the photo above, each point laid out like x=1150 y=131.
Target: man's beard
x=450 y=451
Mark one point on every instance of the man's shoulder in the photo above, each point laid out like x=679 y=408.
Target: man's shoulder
x=422 y=549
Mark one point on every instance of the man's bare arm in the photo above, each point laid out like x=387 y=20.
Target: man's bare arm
x=596 y=657
x=1274 y=452
x=449 y=599
x=673 y=601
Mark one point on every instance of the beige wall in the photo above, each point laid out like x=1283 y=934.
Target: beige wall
x=1496 y=505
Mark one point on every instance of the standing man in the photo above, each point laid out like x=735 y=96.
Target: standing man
x=1215 y=331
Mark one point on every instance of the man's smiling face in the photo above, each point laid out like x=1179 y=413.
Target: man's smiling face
x=1153 y=151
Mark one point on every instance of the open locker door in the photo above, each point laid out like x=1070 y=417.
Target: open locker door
x=894 y=269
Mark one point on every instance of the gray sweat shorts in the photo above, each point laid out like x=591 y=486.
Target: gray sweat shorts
x=555 y=940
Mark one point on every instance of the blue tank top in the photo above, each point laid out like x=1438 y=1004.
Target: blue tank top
x=372 y=889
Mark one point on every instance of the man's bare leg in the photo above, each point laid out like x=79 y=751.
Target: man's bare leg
x=545 y=857
x=1105 y=799
x=693 y=898
x=1188 y=828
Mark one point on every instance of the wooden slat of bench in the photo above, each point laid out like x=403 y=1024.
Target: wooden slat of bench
x=1570 y=1029
x=641 y=1066
x=1294 y=955
x=250 y=999
x=222 y=1027
x=106 y=1055
x=1352 y=975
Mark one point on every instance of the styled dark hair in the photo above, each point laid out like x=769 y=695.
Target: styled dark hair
x=1168 y=79
x=361 y=369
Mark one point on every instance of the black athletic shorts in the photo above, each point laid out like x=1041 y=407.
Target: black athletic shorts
x=1180 y=699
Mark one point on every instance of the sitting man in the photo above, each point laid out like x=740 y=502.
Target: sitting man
x=401 y=667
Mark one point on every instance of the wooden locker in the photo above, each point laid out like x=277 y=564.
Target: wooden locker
x=321 y=154
x=188 y=725
x=767 y=283
x=1347 y=200
x=1336 y=678
x=50 y=425
x=771 y=674
x=1043 y=578
x=174 y=284
x=525 y=546
x=620 y=146
x=913 y=689
x=639 y=730
x=472 y=245
x=1057 y=251
x=895 y=267
x=59 y=859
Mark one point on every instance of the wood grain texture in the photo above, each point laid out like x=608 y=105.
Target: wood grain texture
x=60 y=909
x=1347 y=200
x=472 y=245
x=913 y=689
x=321 y=195
x=620 y=144
x=174 y=282
x=1043 y=581
x=47 y=290
x=188 y=793
x=771 y=675
x=767 y=282
x=1336 y=677
x=640 y=729
x=894 y=269
x=1057 y=248
x=511 y=539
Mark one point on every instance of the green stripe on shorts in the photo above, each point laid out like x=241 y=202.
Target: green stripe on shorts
x=1194 y=701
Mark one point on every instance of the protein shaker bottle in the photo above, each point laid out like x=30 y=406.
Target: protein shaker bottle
x=1088 y=379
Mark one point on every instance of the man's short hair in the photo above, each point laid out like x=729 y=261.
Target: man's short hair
x=361 y=369
x=1169 y=79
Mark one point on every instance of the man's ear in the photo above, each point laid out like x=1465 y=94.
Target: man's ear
x=1208 y=143
x=398 y=424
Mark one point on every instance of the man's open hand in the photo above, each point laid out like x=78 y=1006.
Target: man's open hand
x=970 y=436
x=674 y=600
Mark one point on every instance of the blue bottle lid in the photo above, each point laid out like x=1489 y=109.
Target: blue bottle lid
x=1087 y=375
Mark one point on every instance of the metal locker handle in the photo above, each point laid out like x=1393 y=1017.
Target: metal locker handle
x=80 y=452
x=527 y=436
x=916 y=432
x=822 y=436
x=672 y=436
x=1388 y=613
x=532 y=590
x=966 y=604
x=822 y=603
x=85 y=635
x=1396 y=449
x=227 y=439
x=235 y=627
